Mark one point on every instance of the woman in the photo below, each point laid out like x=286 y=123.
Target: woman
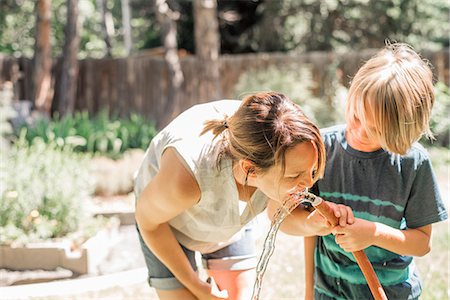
x=206 y=176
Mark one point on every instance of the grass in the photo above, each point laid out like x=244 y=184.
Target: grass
x=435 y=267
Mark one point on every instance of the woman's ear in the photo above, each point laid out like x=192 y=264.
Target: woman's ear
x=247 y=167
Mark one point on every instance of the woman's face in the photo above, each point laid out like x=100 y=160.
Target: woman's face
x=301 y=163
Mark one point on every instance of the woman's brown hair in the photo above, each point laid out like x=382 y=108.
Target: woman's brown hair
x=263 y=128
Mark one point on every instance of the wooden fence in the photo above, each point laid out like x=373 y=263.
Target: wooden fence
x=139 y=83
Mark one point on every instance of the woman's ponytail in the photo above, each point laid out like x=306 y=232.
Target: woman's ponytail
x=216 y=126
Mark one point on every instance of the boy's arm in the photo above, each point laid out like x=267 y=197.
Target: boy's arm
x=415 y=242
x=363 y=233
x=309 y=245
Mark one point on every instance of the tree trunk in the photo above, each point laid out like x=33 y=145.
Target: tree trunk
x=106 y=29
x=67 y=81
x=126 y=26
x=207 y=48
x=42 y=81
x=167 y=20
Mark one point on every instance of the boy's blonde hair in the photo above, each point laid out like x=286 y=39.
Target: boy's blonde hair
x=394 y=89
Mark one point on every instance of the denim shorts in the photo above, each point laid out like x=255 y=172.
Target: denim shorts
x=240 y=255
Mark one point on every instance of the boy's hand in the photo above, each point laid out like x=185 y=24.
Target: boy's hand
x=357 y=236
x=343 y=214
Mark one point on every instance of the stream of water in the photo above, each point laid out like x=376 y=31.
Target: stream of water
x=269 y=243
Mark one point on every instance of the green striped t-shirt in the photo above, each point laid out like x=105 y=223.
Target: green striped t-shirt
x=399 y=191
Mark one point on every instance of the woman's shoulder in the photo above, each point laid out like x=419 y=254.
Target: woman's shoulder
x=177 y=179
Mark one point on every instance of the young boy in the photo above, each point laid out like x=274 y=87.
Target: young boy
x=376 y=167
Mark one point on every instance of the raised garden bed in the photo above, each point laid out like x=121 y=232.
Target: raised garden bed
x=80 y=259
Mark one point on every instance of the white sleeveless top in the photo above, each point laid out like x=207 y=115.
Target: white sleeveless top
x=217 y=219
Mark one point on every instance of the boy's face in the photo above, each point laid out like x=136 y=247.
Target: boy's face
x=358 y=137
x=301 y=162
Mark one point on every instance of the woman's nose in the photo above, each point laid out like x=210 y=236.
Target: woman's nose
x=306 y=182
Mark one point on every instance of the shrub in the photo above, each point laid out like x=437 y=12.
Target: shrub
x=100 y=134
x=42 y=190
x=6 y=113
x=440 y=121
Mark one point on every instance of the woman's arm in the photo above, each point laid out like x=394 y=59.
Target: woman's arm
x=169 y=193
x=300 y=221
x=304 y=223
